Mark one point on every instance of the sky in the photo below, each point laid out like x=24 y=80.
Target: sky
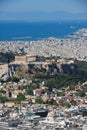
x=36 y=10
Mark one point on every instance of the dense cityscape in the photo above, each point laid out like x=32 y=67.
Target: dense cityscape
x=43 y=65
x=73 y=46
x=43 y=84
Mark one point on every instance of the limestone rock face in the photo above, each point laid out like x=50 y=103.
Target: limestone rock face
x=68 y=68
x=25 y=66
x=4 y=71
x=24 y=70
x=18 y=70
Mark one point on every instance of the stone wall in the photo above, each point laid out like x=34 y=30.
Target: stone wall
x=20 y=59
x=25 y=59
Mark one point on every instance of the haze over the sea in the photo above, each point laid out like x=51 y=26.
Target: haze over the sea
x=37 y=19
x=42 y=10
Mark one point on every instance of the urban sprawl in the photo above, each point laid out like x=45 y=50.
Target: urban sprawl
x=44 y=87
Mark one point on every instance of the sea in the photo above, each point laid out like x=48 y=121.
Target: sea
x=30 y=31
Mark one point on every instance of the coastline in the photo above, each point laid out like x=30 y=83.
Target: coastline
x=26 y=31
x=73 y=47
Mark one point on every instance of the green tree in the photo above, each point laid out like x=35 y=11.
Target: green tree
x=60 y=94
x=72 y=88
x=3 y=99
x=61 y=103
x=39 y=100
x=68 y=105
x=20 y=97
x=29 y=91
x=1 y=81
x=51 y=102
x=14 y=79
x=82 y=93
x=73 y=103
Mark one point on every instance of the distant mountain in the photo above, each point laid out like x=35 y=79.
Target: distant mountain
x=43 y=16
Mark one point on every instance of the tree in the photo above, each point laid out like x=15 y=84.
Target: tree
x=61 y=103
x=73 y=103
x=72 y=88
x=39 y=100
x=15 y=79
x=3 y=99
x=51 y=102
x=60 y=94
x=82 y=93
x=68 y=105
x=29 y=91
x=1 y=81
x=20 y=97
